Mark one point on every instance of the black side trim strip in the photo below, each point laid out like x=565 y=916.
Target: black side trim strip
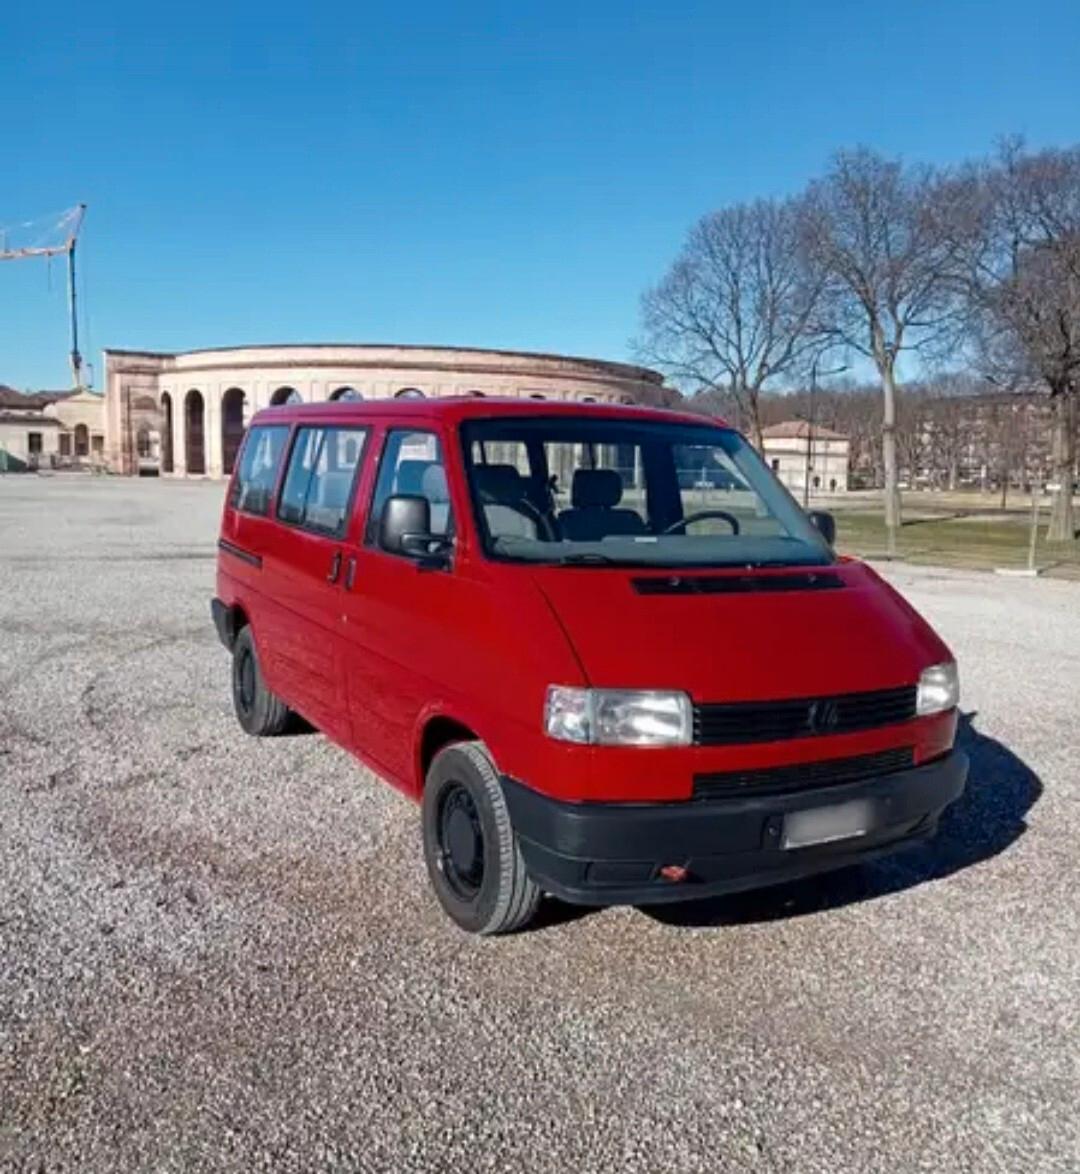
x=245 y=556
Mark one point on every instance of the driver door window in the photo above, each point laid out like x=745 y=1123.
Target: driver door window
x=412 y=463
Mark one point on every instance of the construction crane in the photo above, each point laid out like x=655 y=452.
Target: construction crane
x=58 y=238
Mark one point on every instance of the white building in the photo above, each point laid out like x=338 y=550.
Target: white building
x=187 y=412
x=808 y=458
x=46 y=429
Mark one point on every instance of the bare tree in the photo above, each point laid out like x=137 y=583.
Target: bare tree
x=736 y=309
x=1023 y=282
x=880 y=235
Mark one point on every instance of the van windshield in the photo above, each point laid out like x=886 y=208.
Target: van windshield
x=589 y=491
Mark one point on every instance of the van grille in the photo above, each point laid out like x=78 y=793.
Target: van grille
x=783 y=780
x=775 y=721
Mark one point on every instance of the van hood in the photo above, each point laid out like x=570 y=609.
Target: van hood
x=741 y=635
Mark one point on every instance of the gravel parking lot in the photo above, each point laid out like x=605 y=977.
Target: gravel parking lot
x=220 y=952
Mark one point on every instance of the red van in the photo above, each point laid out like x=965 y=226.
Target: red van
x=603 y=647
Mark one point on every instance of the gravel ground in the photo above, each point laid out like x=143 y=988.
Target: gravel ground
x=219 y=952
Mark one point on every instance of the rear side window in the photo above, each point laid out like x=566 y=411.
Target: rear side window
x=319 y=482
x=258 y=471
x=412 y=463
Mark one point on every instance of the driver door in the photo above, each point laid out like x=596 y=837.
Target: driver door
x=399 y=617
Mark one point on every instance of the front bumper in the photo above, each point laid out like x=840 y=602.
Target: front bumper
x=612 y=853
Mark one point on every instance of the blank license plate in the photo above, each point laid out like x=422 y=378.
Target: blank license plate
x=822 y=825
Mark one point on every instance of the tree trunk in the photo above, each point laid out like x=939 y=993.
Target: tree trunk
x=888 y=455
x=753 y=403
x=1062 y=515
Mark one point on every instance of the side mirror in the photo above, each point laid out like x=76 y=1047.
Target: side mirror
x=825 y=524
x=405 y=528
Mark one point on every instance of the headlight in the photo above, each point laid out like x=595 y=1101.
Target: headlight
x=618 y=717
x=939 y=689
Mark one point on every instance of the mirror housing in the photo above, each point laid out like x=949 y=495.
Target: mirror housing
x=825 y=524
x=405 y=528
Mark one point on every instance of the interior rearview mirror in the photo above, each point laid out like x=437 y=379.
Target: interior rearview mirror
x=825 y=524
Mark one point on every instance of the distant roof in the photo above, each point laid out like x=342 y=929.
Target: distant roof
x=798 y=430
x=29 y=401
x=38 y=419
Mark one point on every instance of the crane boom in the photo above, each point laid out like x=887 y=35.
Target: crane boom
x=69 y=223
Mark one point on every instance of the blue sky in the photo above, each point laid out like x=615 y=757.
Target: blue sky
x=476 y=174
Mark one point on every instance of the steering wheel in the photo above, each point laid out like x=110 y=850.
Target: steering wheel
x=701 y=516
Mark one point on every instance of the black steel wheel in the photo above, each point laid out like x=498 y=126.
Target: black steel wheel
x=472 y=854
x=258 y=710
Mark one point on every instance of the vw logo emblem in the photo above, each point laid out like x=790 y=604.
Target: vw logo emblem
x=824 y=716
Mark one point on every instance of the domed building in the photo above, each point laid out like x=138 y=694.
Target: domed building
x=184 y=414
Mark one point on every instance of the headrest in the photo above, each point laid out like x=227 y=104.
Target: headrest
x=410 y=477
x=499 y=482
x=595 y=487
x=433 y=484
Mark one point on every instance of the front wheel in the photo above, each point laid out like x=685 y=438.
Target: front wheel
x=472 y=854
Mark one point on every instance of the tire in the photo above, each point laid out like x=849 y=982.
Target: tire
x=258 y=711
x=473 y=859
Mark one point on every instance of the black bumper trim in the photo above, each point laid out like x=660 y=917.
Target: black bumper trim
x=611 y=853
x=223 y=622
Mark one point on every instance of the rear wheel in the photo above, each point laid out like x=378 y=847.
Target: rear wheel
x=258 y=710
x=472 y=854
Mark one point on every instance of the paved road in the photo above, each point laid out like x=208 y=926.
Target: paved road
x=219 y=952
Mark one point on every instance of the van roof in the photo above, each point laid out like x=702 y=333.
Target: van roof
x=453 y=409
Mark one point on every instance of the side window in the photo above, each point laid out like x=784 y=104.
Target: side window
x=412 y=463
x=319 y=482
x=259 y=464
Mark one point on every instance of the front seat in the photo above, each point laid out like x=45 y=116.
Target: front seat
x=503 y=493
x=594 y=496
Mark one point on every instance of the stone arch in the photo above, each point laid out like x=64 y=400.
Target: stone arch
x=346 y=394
x=285 y=395
x=166 y=433
x=409 y=393
x=195 y=433
x=232 y=427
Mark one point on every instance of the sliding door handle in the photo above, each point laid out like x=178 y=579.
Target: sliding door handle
x=350 y=573
x=335 y=567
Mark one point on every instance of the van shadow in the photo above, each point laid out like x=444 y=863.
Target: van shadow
x=985 y=820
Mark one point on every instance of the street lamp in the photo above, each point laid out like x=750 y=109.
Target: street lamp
x=810 y=422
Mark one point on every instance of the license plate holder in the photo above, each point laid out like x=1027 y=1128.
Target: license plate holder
x=827 y=825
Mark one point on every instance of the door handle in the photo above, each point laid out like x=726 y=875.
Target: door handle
x=335 y=567
x=350 y=574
